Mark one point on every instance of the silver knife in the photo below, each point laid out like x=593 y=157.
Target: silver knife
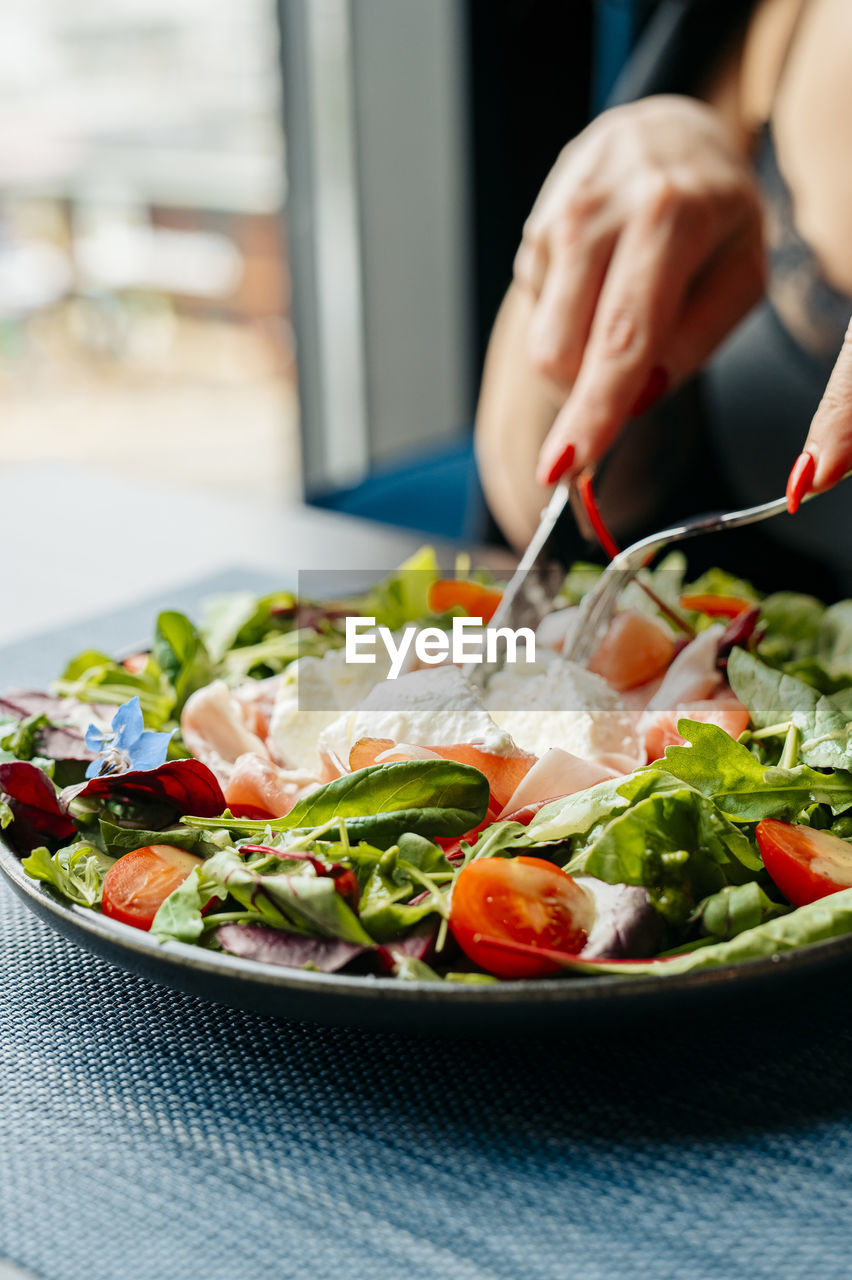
x=528 y=595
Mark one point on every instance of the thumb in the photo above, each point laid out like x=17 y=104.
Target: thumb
x=827 y=454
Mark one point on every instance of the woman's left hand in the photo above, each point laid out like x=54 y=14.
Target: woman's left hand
x=827 y=455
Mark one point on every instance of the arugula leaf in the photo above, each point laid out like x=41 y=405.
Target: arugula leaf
x=181 y=655
x=94 y=677
x=735 y=908
x=829 y=917
x=379 y=803
x=77 y=871
x=385 y=909
x=18 y=740
x=6 y=815
x=293 y=899
x=740 y=786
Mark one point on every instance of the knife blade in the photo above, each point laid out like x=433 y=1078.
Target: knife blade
x=528 y=595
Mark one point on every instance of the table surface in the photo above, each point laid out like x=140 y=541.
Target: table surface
x=146 y=1134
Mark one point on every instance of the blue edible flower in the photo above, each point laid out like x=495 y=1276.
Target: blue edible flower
x=129 y=745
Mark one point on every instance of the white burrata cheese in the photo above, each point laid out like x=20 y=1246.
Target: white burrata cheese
x=312 y=694
x=435 y=707
x=553 y=703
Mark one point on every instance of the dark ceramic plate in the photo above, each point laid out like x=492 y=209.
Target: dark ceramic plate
x=552 y=1004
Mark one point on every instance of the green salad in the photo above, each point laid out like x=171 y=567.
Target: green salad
x=684 y=803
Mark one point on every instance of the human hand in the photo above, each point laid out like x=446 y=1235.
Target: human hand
x=827 y=454
x=644 y=248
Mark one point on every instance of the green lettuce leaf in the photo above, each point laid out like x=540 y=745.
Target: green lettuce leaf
x=741 y=787
x=294 y=899
x=95 y=677
x=77 y=871
x=576 y=814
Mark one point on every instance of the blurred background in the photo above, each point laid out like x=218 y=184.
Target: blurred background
x=257 y=248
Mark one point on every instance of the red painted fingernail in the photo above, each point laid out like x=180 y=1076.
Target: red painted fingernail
x=654 y=389
x=800 y=481
x=557 y=468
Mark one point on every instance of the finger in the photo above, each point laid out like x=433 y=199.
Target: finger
x=563 y=316
x=728 y=287
x=641 y=296
x=829 y=441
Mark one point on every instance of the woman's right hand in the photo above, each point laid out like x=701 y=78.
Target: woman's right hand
x=643 y=250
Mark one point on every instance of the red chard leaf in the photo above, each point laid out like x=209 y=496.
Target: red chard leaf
x=185 y=786
x=292 y=951
x=36 y=814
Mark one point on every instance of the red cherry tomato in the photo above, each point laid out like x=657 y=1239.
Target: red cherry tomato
x=137 y=885
x=717 y=606
x=804 y=863
x=476 y=600
x=525 y=900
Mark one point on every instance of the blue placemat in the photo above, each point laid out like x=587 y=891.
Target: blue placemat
x=147 y=1135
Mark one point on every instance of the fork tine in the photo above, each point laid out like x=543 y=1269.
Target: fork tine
x=599 y=605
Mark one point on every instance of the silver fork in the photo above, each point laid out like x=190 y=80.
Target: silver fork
x=598 y=606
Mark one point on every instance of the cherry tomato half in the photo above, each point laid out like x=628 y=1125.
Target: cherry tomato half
x=804 y=863
x=524 y=900
x=717 y=606
x=476 y=600
x=137 y=885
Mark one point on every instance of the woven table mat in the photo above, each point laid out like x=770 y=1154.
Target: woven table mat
x=149 y=1135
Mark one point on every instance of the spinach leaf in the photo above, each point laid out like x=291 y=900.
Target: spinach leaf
x=181 y=655
x=677 y=845
x=773 y=697
x=77 y=871
x=379 y=803
x=834 y=641
x=118 y=840
x=740 y=786
x=792 y=624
